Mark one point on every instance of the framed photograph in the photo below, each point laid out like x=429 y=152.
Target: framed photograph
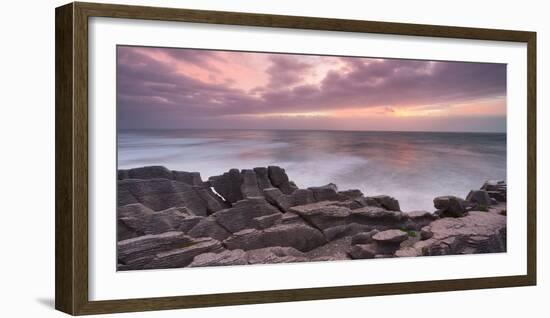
x=211 y=158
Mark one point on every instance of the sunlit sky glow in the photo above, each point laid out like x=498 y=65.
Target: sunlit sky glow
x=164 y=88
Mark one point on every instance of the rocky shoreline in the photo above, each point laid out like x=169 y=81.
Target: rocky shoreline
x=171 y=219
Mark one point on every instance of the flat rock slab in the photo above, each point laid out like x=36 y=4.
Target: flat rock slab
x=299 y=236
x=390 y=236
x=242 y=214
x=275 y=255
x=225 y=258
x=327 y=192
x=345 y=230
x=386 y=202
x=208 y=227
x=334 y=250
x=184 y=256
x=337 y=221
x=167 y=220
x=132 y=220
x=311 y=207
x=478 y=232
x=363 y=251
x=148 y=245
x=450 y=206
x=160 y=194
x=285 y=201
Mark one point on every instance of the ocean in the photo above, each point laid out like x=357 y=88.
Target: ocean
x=413 y=167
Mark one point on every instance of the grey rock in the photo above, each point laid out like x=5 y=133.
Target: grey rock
x=160 y=194
x=122 y=174
x=493 y=185
x=160 y=172
x=407 y=252
x=263 y=222
x=418 y=219
x=150 y=172
x=368 y=202
x=279 y=179
x=363 y=237
x=311 y=207
x=390 y=236
x=386 y=202
x=450 y=206
x=332 y=251
x=499 y=196
x=301 y=197
x=274 y=255
x=136 y=264
x=225 y=258
x=477 y=232
x=350 y=229
x=425 y=234
x=228 y=185
x=285 y=201
x=289 y=218
x=132 y=220
x=124 y=232
x=241 y=215
x=298 y=236
x=181 y=257
x=323 y=216
x=327 y=192
x=363 y=251
x=479 y=197
x=329 y=214
x=124 y=196
x=350 y=204
x=167 y=220
x=352 y=194
x=212 y=201
x=145 y=247
x=262 y=178
x=208 y=227
x=249 y=187
x=379 y=217
x=191 y=178
x=414 y=215
x=413 y=237
x=188 y=223
x=276 y=197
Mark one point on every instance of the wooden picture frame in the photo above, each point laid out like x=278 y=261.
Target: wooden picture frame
x=71 y=90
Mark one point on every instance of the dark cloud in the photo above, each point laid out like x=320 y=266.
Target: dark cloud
x=286 y=70
x=149 y=89
x=149 y=86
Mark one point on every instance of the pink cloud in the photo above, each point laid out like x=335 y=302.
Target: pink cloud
x=174 y=85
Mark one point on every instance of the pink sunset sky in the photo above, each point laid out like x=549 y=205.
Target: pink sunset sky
x=188 y=88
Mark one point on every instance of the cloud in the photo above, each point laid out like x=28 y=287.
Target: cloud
x=286 y=70
x=161 y=85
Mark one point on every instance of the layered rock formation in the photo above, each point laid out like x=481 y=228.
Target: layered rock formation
x=169 y=219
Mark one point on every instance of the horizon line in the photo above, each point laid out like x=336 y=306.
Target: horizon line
x=334 y=130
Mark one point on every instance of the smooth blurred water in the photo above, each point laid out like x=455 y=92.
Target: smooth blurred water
x=414 y=167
